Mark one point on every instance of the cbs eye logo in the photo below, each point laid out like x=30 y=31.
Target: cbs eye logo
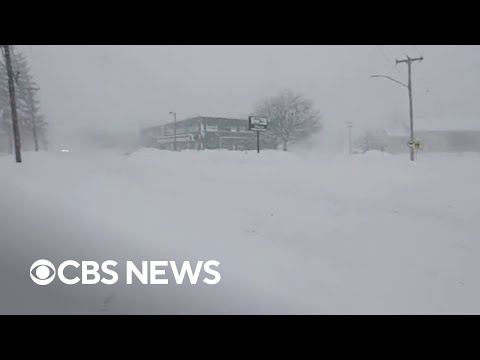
x=42 y=272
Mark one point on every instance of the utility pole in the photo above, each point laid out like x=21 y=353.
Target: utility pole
x=13 y=103
x=350 y=126
x=174 y=130
x=409 y=62
x=34 y=120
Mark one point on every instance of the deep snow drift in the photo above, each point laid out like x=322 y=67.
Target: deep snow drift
x=294 y=233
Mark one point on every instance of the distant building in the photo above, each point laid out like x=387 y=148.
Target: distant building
x=202 y=133
x=457 y=141
x=436 y=137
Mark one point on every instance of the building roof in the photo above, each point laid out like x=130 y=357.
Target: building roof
x=190 y=119
x=435 y=125
x=448 y=125
x=204 y=117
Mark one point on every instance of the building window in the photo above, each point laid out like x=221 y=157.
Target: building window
x=193 y=128
x=233 y=129
x=181 y=129
x=212 y=128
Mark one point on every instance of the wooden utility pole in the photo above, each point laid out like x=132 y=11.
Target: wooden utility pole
x=409 y=62
x=13 y=103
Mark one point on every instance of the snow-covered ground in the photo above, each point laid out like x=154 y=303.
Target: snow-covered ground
x=294 y=233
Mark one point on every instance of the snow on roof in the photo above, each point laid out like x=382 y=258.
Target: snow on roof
x=424 y=125
x=447 y=125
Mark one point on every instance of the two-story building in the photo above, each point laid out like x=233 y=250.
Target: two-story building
x=201 y=133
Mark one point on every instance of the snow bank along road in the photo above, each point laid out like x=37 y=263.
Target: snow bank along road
x=294 y=233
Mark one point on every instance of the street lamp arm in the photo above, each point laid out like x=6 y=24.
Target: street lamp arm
x=389 y=78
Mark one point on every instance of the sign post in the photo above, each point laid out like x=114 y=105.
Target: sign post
x=258 y=142
x=258 y=124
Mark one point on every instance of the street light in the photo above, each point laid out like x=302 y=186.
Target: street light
x=412 y=135
x=409 y=62
x=389 y=78
x=174 y=130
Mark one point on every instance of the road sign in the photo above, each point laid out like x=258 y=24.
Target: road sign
x=415 y=144
x=258 y=123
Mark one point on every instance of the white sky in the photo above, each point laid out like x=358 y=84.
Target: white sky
x=121 y=88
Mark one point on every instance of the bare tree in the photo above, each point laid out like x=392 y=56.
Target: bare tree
x=292 y=117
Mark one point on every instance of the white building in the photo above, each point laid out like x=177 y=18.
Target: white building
x=436 y=136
